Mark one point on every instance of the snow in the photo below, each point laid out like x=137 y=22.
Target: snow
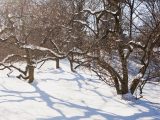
x=99 y=11
x=8 y=57
x=34 y=47
x=135 y=43
x=75 y=49
x=90 y=11
x=80 y=21
x=59 y=94
x=128 y=97
x=10 y=15
x=156 y=49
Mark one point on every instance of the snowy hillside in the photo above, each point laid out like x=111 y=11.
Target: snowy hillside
x=59 y=94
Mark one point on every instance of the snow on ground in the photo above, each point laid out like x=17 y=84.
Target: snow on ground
x=59 y=94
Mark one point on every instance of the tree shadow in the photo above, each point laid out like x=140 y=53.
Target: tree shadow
x=152 y=111
x=88 y=112
x=51 y=70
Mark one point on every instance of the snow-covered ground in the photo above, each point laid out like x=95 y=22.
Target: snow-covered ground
x=59 y=94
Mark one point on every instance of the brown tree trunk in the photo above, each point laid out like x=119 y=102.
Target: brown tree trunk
x=124 y=87
x=134 y=85
x=31 y=74
x=124 y=82
x=117 y=85
x=71 y=62
x=57 y=63
x=71 y=65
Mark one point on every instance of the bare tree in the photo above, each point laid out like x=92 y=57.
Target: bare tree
x=25 y=28
x=111 y=43
x=102 y=35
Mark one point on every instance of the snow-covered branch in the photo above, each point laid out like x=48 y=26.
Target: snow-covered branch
x=99 y=11
x=43 y=49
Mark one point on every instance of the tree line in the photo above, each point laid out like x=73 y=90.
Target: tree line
x=105 y=36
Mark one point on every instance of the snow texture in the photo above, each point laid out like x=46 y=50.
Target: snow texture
x=34 y=47
x=99 y=11
x=59 y=94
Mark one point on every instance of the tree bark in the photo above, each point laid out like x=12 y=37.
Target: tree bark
x=134 y=85
x=124 y=64
x=57 y=63
x=124 y=87
x=31 y=74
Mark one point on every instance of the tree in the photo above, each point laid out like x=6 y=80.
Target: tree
x=111 y=43
x=102 y=35
x=24 y=28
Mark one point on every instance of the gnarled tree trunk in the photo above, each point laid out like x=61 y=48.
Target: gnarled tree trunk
x=134 y=85
x=30 y=73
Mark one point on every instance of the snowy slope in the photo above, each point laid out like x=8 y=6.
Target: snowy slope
x=59 y=94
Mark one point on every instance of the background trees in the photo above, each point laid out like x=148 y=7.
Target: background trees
x=105 y=36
